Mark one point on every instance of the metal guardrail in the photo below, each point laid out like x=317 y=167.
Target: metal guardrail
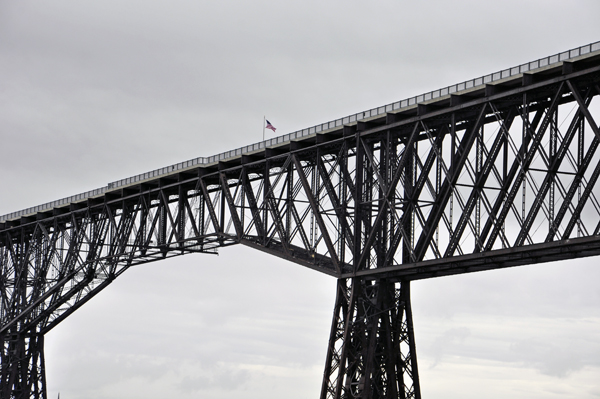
x=350 y=119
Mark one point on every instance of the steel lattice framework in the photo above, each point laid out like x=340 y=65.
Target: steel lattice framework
x=492 y=177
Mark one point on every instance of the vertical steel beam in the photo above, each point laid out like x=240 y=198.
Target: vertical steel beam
x=22 y=367
x=372 y=351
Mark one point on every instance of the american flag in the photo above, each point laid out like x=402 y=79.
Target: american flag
x=269 y=126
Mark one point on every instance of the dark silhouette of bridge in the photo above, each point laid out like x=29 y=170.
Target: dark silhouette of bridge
x=494 y=172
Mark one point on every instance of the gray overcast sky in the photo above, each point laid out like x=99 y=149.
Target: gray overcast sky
x=92 y=92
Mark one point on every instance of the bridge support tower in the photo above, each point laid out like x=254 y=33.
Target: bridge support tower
x=22 y=368
x=371 y=352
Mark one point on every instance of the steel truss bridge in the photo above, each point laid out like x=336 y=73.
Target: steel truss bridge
x=498 y=174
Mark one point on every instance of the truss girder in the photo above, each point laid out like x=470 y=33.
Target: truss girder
x=439 y=189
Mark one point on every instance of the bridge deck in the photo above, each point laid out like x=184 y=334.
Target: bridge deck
x=472 y=88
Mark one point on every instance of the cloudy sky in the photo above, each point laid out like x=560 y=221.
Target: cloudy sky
x=95 y=91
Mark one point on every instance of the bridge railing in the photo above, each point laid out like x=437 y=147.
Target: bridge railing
x=350 y=119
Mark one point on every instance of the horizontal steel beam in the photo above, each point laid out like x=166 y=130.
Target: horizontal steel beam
x=490 y=260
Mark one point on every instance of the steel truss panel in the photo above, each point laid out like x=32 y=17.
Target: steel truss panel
x=500 y=176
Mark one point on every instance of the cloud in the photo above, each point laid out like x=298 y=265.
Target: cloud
x=221 y=377
x=450 y=338
x=549 y=359
x=556 y=353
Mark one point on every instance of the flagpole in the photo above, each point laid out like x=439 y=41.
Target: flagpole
x=264 y=119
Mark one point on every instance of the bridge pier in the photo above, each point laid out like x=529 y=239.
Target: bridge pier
x=22 y=368
x=371 y=352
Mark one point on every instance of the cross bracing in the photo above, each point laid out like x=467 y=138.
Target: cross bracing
x=498 y=176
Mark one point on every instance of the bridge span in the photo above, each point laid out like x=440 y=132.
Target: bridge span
x=494 y=172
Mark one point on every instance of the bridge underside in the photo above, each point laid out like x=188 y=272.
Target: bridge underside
x=495 y=176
